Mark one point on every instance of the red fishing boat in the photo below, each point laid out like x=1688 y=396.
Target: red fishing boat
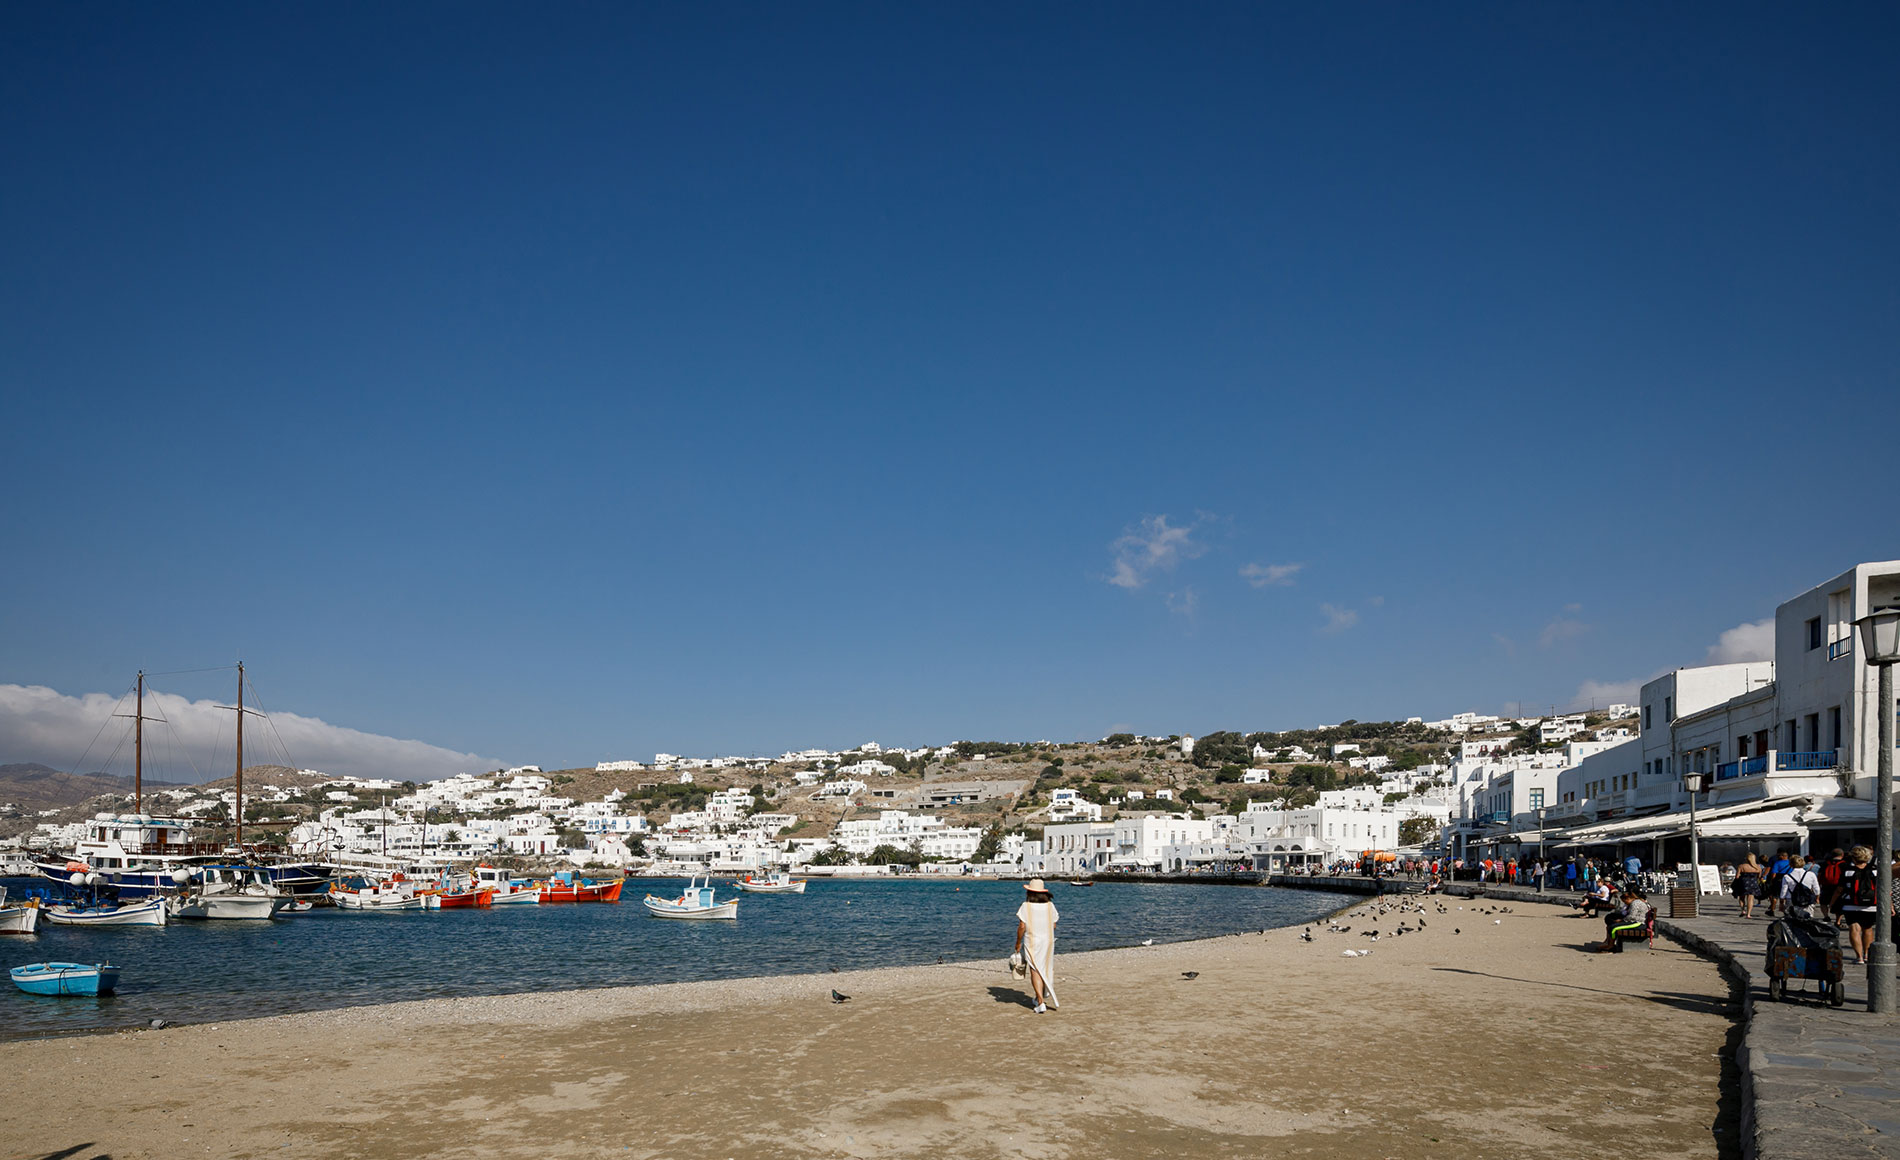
x=449 y=900
x=568 y=887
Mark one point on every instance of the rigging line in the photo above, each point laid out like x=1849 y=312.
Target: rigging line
x=102 y=727
x=272 y=722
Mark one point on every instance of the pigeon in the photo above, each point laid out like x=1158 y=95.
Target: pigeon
x=838 y=998
x=1497 y=922
x=834 y=968
x=160 y=1024
x=1455 y=930
x=1190 y=974
x=1306 y=936
x=1374 y=933
x=1421 y=924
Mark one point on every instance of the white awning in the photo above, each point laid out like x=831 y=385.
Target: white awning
x=1764 y=824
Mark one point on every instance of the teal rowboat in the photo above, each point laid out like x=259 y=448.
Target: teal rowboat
x=66 y=978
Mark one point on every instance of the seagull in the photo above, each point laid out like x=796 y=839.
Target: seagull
x=839 y=998
x=1147 y=942
x=1190 y=974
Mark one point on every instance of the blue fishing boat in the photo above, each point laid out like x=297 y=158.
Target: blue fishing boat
x=66 y=978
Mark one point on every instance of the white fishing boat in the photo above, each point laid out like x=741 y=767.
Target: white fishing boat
x=696 y=902
x=393 y=894
x=231 y=892
x=508 y=891
x=151 y=912
x=775 y=883
x=18 y=919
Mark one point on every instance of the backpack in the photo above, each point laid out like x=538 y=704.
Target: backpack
x=1858 y=889
x=1800 y=893
x=1831 y=873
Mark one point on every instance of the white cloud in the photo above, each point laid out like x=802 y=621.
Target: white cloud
x=1338 y=619
x=1745 y=642
x=1265 y=575
x=1754 y=641
x=1561 y=629
x=44 y=725
x=1184 y=602
x=1150 y=547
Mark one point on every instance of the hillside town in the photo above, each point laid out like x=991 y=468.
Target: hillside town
x=1778 y=750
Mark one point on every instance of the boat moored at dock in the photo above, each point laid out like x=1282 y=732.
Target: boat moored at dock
x=697 y=901
x=151 y=912
x=775 y=883
x=66 y=978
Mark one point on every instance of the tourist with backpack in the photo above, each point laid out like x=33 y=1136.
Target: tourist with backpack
x=1859 y=900
x=1831 y=870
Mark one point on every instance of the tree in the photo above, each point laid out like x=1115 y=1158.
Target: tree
x=832 y=856
x=991 y=843
x=1228 y=775
x=1417 y=831
x=889 y=855
x=1117 y=740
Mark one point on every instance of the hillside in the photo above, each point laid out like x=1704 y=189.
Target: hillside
x=33 y=787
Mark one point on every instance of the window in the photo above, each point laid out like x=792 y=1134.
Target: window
x=1649 y=717
x=1669 y=708
x=1537 y=799
x=1814 y=732
x=1790 y=742
x=1814 y=634
x=1834 y=727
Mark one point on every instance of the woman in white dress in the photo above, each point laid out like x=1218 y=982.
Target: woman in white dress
x=1036 y=942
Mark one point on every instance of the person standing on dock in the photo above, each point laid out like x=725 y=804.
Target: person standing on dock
x=1036 y=942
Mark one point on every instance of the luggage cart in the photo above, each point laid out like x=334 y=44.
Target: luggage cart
x=1805 y=949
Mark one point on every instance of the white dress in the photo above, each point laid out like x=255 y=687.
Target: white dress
x=1039 y=943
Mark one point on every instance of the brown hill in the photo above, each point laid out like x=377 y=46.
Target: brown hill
x=32 y=786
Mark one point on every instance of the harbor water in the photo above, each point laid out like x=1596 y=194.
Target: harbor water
x=194 y=972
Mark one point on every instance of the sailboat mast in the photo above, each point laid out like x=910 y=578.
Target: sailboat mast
x=239 y=814
x=138 y=751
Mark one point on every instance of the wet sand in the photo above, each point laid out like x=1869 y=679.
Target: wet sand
x=1504 y=1040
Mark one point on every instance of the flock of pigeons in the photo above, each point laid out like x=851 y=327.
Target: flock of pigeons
x=1402 y=908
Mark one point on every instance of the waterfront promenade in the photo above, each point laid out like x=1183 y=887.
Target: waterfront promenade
x=1479 y=1037
x=1818 y=1081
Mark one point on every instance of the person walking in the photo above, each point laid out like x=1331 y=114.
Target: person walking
x=1748 y=884
x=1831 y=870
x=1858 y=900
x=1570 y=874
x=1036 y=942
x=1776 y=871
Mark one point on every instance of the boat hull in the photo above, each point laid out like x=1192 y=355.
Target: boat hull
x=582 y=892
x=150 y=913
x=66 y=978
x=19 y=920
x=516 y=898
x=661 y=908
x=352 y=900
x=465 y=899
x=231 y=906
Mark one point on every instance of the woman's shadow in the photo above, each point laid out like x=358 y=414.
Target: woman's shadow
x=1012 y=995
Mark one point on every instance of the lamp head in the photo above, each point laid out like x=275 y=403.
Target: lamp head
x=1880 y=636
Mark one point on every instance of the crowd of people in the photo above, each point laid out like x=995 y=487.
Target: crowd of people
x=1843 y=885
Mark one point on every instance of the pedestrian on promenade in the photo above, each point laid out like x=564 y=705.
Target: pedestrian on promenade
x=1800 y=887
x=1776 y=869
x=1036 y=942
x=1858 y=900
x=1832 y=867
x=1748 y=884
x=1570 y=874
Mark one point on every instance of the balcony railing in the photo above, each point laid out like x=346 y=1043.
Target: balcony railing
x=1749 y=766
x=1840 y=648
x=1823 y=759
x=1728 y=771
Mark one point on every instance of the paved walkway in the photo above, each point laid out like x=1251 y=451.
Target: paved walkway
x=1817 y=1081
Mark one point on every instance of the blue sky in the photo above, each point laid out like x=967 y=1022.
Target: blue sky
x=563 y=384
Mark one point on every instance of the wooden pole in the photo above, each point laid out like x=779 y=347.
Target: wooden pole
x=138 y=751
x=238 y=814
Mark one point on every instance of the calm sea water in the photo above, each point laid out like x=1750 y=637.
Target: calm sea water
x=203 y=971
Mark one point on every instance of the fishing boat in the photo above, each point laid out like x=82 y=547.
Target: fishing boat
x=151 y=912
x=66 y=978
x=231 y=892
x=775 y=883
x=569 y=887
x=696 y=902
x=393 y=894
x=20 y=919
x=505 y=890
x=462 y=899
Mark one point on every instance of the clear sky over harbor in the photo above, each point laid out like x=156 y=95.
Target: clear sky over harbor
x=560 y=384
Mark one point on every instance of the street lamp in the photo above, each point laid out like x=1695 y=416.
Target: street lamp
x=1880 y=643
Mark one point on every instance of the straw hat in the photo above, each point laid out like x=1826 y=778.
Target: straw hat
x=1036 y=887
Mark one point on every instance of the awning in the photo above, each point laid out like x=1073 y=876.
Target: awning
x=1763 y=824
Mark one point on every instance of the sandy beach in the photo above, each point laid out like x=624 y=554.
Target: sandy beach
x=1501 y=1040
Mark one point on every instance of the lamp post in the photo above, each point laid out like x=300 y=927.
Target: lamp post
x=1542 y=871
x=1880 y=641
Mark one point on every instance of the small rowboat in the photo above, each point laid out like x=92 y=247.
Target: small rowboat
x=780 y=883
x=696 y=902
x=66 y=978
x=137 y=914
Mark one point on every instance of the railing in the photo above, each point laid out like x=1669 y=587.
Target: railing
x=1823 y=759
x=1728 y=771
x=1750 y=766
x=1840 y=648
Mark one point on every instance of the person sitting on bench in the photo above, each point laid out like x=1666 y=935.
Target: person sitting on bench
x=1598 y=899
x=1631 y=922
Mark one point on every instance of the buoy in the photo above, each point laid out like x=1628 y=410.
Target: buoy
x=77 y=879
x=180 y=877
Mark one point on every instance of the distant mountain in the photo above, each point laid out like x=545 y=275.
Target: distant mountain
x=32 y=786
